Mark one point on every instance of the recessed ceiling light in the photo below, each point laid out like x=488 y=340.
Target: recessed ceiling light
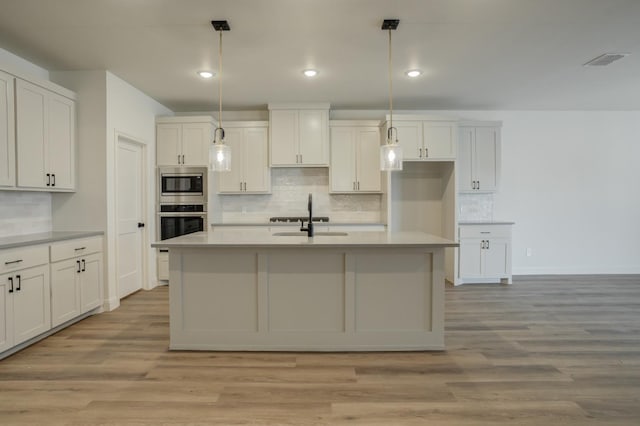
x=206 y=74
x=310 y=73
x=413 y=73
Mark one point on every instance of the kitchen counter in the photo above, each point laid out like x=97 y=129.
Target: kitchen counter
x=233 y=290
x=44 y=238
x=324 y=224
x=486 y=223
x=265 y=238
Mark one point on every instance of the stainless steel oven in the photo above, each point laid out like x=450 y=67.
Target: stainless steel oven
x=175 y=220
x=182 y=185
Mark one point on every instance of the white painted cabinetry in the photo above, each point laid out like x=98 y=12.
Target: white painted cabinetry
x=299 y=135
x=45 y=138
x=183 y=141
x=485 y=253
x=7 y=132
x=479 y=157
x=355 y=162
x=425 y=139
x=250 y=173
x=25 y=300
x=76 y=278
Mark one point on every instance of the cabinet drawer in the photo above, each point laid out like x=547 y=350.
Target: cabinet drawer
x=75 y=248
x=485 y=231
x=22 y=258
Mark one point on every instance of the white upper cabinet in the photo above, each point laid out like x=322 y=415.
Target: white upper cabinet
x=299 y=135
x=45 y=138
x=7 y=132
x=250 y=173
x=425 y=139
x=355 y=161
x=183 y=141
x=479 y=157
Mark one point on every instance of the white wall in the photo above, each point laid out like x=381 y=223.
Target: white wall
x=130 y=113
x=569 y=182
x=14 y=64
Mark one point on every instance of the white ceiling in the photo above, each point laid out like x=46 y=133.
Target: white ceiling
x=476 y=54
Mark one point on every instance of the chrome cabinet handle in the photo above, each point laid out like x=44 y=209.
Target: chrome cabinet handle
x=358 y=185
x=420 y=154
x=18 y=288
x=80 y=248
x=10 y=284
x=182 y=158
x=48 y=179
x=13 y=261
x=84 y=265
x=78 y=263
x=240 y=186
x=426 y=153
x=478 y=184
x=178 y=158
x=487 y=244
x=53 y=179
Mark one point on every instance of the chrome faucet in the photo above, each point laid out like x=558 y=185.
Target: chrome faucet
x=309 y=227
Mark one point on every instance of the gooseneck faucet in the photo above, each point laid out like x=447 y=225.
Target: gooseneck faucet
x=309 y=227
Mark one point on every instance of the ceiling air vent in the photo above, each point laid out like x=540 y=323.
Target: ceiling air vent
x=605 y=59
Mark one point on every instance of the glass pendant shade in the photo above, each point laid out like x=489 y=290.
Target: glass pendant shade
x=390 y=157
x=219 y=157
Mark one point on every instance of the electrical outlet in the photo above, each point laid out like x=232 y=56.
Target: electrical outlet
x=529 y=252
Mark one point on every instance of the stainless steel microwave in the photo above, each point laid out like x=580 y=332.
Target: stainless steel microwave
x=182 y=185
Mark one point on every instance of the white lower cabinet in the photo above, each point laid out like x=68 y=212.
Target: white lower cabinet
x=485 y=253
x=25 y=300
x=76 y=278
x=163 y=264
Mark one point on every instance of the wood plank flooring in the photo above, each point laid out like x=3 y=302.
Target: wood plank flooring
x=545 y=351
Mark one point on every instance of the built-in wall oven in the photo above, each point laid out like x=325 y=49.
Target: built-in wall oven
x=175 y=220
x=182 y=201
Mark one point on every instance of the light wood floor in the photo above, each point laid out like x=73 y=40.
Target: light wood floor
x=544 y=351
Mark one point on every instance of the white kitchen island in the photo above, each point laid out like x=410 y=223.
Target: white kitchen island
x=251 y=290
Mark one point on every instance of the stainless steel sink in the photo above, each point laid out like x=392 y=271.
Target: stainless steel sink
x=304 y=234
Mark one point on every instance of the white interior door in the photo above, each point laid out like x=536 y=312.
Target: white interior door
x=130 y=212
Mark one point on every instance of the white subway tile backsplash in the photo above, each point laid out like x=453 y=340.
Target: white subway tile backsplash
x=290 y=188
x=24 y=213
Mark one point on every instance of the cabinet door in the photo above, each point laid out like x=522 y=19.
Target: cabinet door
x=368 y=159
x=495 y=258
x=313 y=138
x=470 y=263
x=465 y=159
x=196 y=138
x=257 y=175
x=283 y=127
x=409 y=138
x=438 y=141
x=486 y=149
x=65 y=291
x=31 y=304
x=7 y=133
x=343 y=160
x=168 y=144
x=61 y=141
x=91 y=282
x=232 y=180
x=31 y=130
x=6 y=312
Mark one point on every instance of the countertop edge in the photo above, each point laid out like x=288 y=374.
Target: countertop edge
x=45 y=238
x=486 y=223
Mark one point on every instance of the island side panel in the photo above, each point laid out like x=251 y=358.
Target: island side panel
x=318 y=299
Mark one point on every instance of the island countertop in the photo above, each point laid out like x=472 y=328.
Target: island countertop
x=265 y=238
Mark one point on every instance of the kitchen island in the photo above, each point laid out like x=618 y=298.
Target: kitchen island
x=252 y=290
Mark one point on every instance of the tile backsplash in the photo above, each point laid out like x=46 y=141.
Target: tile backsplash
x=24 y=213
x=290 y=188
x=475 y=207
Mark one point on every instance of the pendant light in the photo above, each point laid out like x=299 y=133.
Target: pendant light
x=219 y=152
x=391 y=152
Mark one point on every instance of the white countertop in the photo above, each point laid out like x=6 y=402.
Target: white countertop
x=44 y=238
x=325 y=224
x=264 y=238
x=486 y=223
